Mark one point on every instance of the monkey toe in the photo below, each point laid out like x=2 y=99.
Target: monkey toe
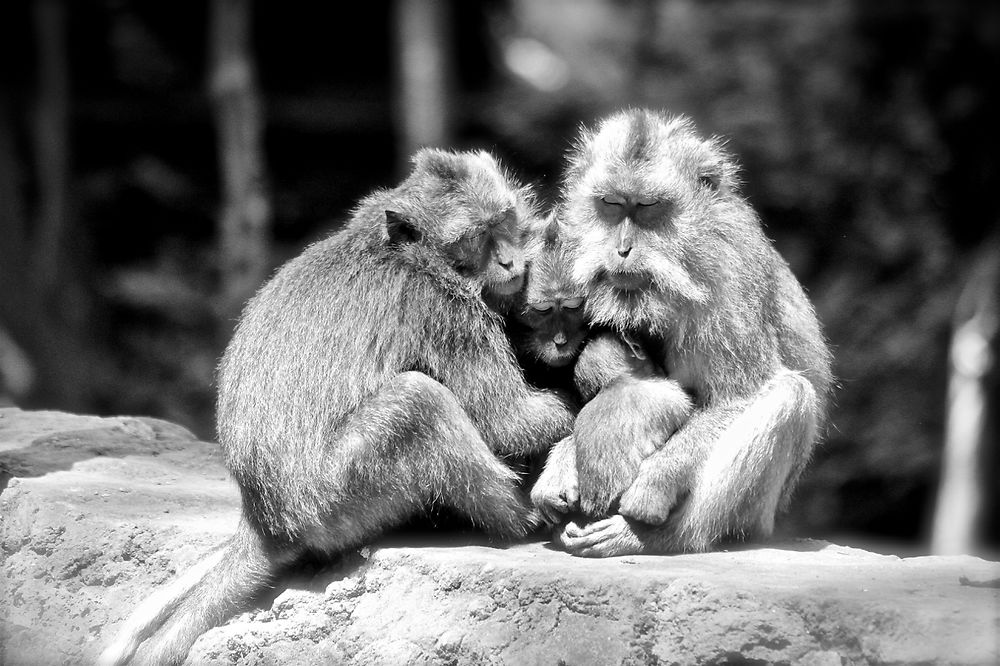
x=605 y=538
x=554 y=501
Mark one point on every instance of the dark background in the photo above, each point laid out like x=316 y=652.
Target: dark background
x=867 y=132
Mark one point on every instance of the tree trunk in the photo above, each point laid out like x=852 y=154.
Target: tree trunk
x=245 y=216
x=423 y=75
x=51 y=134
x=967 y=494
x=16 y=371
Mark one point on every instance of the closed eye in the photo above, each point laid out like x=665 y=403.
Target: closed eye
x=572 y=303
x=613 y=200
x=543 y=308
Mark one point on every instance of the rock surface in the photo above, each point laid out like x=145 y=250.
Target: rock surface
x=97 y=512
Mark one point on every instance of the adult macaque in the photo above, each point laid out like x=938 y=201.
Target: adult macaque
x=670 y=253
x=365 y=383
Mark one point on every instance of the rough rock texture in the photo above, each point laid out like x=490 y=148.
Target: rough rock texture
x=98 y=512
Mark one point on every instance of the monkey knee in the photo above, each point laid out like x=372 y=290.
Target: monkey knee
x=794 y=390
x=648 y=505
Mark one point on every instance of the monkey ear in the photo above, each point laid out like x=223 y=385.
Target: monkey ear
x=401 y=229
x=440 y=163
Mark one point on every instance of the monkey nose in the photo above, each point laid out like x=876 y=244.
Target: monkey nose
x=506 y=263
x=560 y=339
x=623 y=252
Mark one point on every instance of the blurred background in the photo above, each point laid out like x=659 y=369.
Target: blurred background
x=159 y=160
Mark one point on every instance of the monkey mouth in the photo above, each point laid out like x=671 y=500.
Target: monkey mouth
x=558 y=358
x=627 y=281
x=511 y=286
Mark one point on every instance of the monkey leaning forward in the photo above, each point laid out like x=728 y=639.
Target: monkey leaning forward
x=671 y=253
x=367 y=381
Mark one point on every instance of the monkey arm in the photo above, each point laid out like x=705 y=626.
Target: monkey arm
x=733 y=461
x=605 y=358
x=622 y=426
x=514 y=418
x=556 y=493
x=669 y=472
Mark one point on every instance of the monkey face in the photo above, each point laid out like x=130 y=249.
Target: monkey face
x=652 y=218
x=492 y=254
x=557 y=329
x=505 y=264
x=553 y=310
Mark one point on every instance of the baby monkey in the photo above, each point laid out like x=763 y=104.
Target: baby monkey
x=630 y=408
x=547 y=323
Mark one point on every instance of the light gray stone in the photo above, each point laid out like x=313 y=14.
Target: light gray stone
x=99 y=512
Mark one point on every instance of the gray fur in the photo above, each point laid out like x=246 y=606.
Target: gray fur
x=726 y=316
x=366 y=382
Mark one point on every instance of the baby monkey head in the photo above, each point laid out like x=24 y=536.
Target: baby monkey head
x=468 y=207
x=647 y=201
x=553 y=304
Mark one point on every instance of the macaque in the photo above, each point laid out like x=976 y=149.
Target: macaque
x=367 y=382
x=672 y=254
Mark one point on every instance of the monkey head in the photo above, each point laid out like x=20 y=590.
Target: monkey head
x=553 y=305
x=468 y=207
x=652 y=218
x=608 y=357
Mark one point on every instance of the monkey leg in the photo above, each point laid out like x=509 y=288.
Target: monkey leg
x=555 y=493
x=737 y=490
x=733 y=461
x=407 y=447
x=615 y=432
x=410 y=446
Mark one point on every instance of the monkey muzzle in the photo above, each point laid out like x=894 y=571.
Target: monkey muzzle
x=627 y=281
x=558 y=356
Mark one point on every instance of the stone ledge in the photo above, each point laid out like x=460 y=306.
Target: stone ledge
x=98 y=512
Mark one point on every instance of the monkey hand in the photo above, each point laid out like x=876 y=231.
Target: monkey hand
x=604 y=538
x=649 y=499
x=556 y=493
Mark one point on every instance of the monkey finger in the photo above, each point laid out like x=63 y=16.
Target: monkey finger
x=571 y=530
x=597 y=526
x=578 y=543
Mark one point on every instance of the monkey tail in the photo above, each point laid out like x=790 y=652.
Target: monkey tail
x=171 y=619
x=737 y=490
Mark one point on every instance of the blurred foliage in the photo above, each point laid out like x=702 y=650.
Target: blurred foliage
x=867 y=134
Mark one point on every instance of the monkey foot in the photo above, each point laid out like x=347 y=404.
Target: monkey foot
x=554 y=498
x=605 y=538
